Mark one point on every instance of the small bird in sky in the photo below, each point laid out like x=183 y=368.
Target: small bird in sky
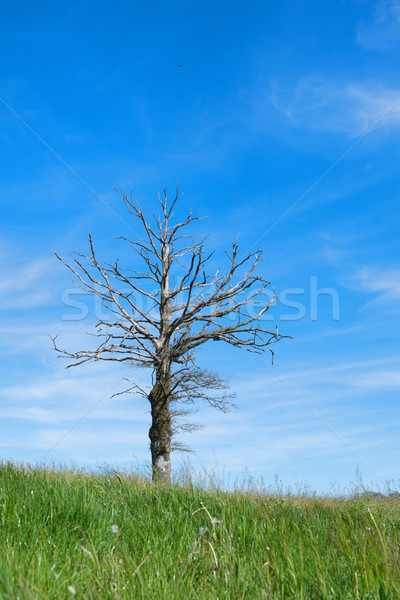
x=181 y=65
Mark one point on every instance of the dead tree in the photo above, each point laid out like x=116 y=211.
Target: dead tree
x=161 y=315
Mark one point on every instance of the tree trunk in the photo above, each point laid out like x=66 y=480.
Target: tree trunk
x=160 y=433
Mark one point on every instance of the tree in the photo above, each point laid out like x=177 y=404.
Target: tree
x=161 y=315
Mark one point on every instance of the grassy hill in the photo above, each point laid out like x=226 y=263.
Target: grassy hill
x=66 y=534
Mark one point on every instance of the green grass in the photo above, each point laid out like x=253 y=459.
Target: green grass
x=56 y=539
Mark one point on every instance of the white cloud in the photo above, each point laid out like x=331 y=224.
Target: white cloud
x=31 y=414
x=382 y=30
x=26 y=282
x=384 y=283
x=86 y=439
x=343 y=378
x=343 y=108
x=44 y=410
x=378 y=379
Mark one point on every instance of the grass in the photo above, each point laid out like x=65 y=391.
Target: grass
x=58 y=540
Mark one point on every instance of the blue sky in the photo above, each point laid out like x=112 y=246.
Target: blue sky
x=275 y=105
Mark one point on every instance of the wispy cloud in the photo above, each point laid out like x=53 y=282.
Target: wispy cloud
x=45 y=409
x=342 y=378
x=64 y=395
x=378 y=379
x=25 y=283
x=382 y=30
x=325 y=105
x=383 y=283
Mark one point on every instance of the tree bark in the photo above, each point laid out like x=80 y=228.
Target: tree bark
x=160 y=433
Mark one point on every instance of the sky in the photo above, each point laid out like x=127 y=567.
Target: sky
x=278 y=119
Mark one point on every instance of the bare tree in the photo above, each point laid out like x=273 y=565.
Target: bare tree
x=161 y=315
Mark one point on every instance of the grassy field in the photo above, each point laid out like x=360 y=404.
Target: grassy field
x=66 y=534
